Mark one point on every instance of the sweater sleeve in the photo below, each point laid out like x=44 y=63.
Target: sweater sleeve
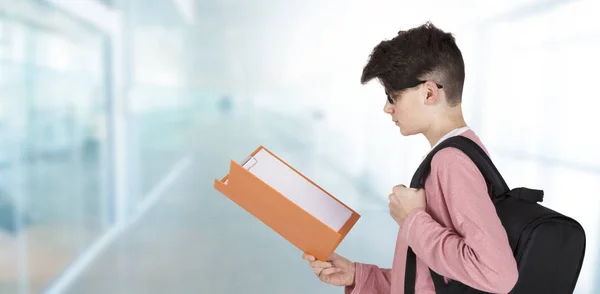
x=370 y=279
x=476 y=251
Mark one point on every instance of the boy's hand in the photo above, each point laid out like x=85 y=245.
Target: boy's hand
x=337 y=271
x=403 y=200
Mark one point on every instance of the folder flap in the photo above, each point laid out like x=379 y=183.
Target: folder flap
x=349 y=224
x=279 y=213
x=347 y=227
x=220 y=186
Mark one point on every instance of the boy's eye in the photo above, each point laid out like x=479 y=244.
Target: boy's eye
x=389 y=98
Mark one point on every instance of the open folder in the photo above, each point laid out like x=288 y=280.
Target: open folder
x=288 y=202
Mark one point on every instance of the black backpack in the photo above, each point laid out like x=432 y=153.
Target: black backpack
x=549 y=247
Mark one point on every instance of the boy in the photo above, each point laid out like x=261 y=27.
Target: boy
x=451 y=224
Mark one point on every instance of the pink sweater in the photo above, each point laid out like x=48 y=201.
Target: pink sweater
x=458 y=235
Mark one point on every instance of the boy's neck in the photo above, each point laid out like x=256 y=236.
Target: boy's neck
x=443 y=127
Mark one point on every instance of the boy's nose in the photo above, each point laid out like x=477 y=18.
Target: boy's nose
x=387 y=108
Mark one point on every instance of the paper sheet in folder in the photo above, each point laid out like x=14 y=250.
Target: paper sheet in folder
x=291 y=204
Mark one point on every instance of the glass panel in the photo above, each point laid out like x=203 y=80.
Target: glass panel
x=53 y=159
x=159 y=99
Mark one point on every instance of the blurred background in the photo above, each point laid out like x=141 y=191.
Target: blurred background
x=116 y=116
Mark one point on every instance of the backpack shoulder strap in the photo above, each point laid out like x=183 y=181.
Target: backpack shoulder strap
x=492 y=176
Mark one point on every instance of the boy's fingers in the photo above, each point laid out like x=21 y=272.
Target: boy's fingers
x=308 y=257
x=330 y=271
x=320 y=264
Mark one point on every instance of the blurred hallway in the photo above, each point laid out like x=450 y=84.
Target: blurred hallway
x=117 y=115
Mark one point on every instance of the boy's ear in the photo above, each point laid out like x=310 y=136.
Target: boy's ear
x=432 y=93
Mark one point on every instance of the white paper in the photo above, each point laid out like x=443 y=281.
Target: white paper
x=298 y=189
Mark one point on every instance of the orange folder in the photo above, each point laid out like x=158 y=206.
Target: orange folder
x=284 y=214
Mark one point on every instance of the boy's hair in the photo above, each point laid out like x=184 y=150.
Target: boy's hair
x=421 y=53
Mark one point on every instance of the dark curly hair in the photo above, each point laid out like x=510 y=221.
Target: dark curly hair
x=421 y=53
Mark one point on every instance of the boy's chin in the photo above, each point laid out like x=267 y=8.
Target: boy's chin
x=406 y=133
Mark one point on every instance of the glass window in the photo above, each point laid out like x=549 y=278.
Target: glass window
x=53 y=146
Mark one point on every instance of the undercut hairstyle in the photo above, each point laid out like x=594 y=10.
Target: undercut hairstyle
x=421 y=53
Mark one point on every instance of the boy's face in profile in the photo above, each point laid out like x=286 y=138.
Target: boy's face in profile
x=413 y=109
